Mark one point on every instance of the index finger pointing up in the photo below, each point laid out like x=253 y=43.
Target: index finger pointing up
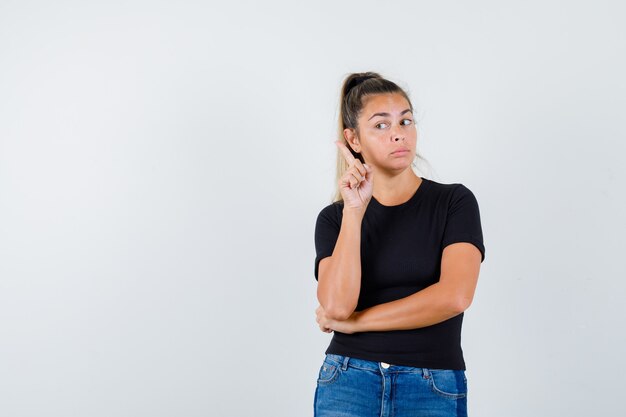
x=346 y=152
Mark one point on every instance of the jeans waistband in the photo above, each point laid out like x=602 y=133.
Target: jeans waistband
x=347 y=361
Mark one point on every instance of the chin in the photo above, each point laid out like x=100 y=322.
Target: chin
x=399 y=168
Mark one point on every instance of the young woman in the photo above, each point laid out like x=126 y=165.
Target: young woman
x=398 y=258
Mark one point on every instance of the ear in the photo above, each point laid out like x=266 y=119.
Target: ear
x=352 y=139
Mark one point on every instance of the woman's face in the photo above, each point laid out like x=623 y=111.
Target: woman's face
x=387 y=134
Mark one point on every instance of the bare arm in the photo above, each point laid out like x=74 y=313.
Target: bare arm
x=339 y=277
x=429 y=306
x=441 y=301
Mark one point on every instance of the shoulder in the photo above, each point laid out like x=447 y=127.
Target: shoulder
x=452 y=197
x=331 y=213
x=452 y=191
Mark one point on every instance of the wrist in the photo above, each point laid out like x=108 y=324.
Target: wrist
x=356 y=213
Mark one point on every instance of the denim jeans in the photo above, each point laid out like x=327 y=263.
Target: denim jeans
x=351 y=387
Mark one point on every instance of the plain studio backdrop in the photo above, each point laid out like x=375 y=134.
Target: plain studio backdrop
x=162 y=165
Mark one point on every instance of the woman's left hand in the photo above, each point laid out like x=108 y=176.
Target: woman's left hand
x=328 y=325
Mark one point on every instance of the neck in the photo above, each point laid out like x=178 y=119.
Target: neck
x=395 y=189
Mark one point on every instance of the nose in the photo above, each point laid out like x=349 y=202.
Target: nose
x=396 y=134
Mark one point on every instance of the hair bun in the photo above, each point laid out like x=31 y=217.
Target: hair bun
x=358 y=79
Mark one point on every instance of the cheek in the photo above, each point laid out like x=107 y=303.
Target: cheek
x=377 y=138
x=375 y=151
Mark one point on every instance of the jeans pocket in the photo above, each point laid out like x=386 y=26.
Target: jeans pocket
x=329 y=371
x=448 y=383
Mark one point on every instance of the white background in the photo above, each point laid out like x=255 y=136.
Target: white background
x=162 y=165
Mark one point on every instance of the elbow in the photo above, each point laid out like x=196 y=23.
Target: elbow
x=335 y=307
x=339 y=314
x=461 y=304
x=336 y=311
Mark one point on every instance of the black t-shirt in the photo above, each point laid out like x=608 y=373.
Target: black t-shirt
x=401 y=250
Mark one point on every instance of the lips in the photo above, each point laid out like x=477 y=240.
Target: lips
x=400 y=151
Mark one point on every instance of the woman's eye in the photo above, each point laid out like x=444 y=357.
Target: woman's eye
x=381 y=124
x=407 y=120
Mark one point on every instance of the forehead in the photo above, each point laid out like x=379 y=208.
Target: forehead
x=384 y=103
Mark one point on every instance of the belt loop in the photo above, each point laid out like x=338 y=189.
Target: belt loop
x=345 y=363
x=425 y=373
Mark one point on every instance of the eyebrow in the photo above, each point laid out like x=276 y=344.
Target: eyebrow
x=387 y=114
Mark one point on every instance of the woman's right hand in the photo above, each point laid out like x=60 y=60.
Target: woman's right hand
x=357 y=183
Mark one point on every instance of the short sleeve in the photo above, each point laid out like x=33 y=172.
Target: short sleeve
x=463 y=220
x=327 y=229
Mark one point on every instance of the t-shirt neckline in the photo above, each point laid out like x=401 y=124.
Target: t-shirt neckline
x=412 y=199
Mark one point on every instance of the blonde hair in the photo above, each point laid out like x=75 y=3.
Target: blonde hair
x=356 y=87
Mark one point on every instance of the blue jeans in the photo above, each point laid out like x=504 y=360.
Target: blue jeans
x=351 y=387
